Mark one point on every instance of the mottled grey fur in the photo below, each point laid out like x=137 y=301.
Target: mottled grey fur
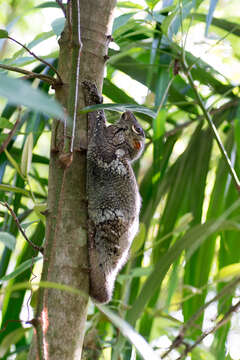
x=113 y=197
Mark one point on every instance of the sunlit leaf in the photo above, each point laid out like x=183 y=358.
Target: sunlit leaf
x=58 y=25
x=139 y=239
x=5 y=187
x=228 y=272
x=143 y=348
x=121 y=108
x=14 y=163
x=152 y=3
x=48 y=4
x=212 y=6
x=229 y=26
x=11 y=339
x=122 y=20
x=28 y=96
x=27 y=155
x=172 y=23
x=20 y=269
x=27 y=224
x=129 y=4
x=8 y=240
x=39 y=209
x=189 y=242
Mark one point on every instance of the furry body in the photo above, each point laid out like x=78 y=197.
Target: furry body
x=113 y=196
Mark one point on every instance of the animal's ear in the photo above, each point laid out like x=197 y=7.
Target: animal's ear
x=126 y=115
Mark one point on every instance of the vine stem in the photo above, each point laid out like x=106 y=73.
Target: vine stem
x=211 y=125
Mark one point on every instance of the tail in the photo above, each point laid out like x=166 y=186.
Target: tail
x=106 y=257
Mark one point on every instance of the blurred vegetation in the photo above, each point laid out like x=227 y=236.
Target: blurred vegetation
x=182 y=278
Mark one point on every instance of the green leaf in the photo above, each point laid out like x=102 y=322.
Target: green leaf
x=3 y=34
x=129 y=4
x=231 y=27
x=27 y=224
x=12 y=338
x=8 y=240
x=48 y=4
x=192 y=239
x=13 y=162
x=158 y=132
x=28 y=96
x=226 y=273
x=20 y=269
x=172 y=23
x=40 y=38
x=27 y=155
x=152 y=3
x=237 y=134
x=58 y=25
x=116 y=94
x=139 y=239
x=183 y=223
x=43 y=284
x=121 y=20
x=5 y=187
x=5 y=123
x=143 y=348
x=119 y=107
x=39 y=208
x=213 y=4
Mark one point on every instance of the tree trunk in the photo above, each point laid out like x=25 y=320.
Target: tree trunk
x=61 y=315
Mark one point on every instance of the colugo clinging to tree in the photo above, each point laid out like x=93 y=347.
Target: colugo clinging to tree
x=113 y=196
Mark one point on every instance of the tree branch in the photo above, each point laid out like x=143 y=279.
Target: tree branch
x=59 y=2
x=38 y=58
x=34 y=246
x=29 y=74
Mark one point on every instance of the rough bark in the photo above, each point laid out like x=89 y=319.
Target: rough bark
x=61 y=315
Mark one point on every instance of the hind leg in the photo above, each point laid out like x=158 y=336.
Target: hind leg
x=105 y=256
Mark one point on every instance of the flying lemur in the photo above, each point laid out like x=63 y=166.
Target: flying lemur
x=113 y=196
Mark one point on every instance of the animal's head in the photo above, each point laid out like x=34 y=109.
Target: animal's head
x=128 y=136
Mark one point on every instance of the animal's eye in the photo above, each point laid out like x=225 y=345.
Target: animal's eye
x=137 y=129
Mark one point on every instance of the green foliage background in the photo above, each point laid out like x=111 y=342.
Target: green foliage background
x=189 y=225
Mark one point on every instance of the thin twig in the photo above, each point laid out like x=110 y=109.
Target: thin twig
x=180 y=338
x=38 y=58
x=34 y=246
x=219 y=324
x=178 y=128
x=61 y=6
x=29 y=74
x=10 y=134
x=226 y=290
x=211 y=125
